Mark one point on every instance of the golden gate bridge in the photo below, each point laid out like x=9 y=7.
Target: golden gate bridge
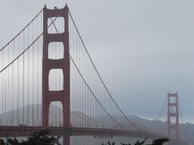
x=49 y=80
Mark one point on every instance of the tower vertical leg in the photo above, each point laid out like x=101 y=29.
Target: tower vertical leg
x=63 y=95
x=66 y=140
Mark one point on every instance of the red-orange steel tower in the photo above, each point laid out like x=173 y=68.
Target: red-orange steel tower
x=173 y=115
x=63 y=95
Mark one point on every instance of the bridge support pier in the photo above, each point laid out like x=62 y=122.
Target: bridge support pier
x=66 y=140
x=63 y=64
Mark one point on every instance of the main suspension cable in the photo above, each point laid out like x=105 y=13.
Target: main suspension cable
x=20 y=54
x=106 y=88
x=87 y=85
x=27 y=48
x=161 y=110
x=21 y=31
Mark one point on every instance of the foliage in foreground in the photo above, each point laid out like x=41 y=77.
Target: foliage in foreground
x=154 y=142
x=37 y=138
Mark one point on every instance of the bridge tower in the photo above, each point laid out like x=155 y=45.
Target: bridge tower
x=63 y=64
x=173 y=115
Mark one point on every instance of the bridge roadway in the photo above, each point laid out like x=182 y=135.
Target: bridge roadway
x=20 y=131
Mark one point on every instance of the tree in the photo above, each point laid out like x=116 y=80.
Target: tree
x=159 y=141
x=38 y=138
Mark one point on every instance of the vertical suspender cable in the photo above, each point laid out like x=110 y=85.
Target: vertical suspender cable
x=23 y=80
x=5 y=96
x=8 y=88
x=85 y=90
x=11 y=87
x=18 y=86
x=89 y=104
x=3 y=88
x=37 y=83
x=37 y=74
x=28 y=80
x=33 y=105
x=80 y=83
x=82 y=89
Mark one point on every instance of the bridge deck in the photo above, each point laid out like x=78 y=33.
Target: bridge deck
x=17 y=131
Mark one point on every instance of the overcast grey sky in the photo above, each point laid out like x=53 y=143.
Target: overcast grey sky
x=143 y=48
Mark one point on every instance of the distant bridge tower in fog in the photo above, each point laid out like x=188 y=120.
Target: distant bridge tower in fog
x=173 y=115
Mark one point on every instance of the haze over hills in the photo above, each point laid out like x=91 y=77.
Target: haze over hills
x=158 y=126
x=78 y=118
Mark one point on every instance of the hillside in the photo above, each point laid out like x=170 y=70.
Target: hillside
x=186 y=129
